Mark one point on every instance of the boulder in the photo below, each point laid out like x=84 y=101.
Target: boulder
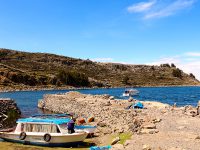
x=146 y=147
x=90 y=119
x=149 y=126
x=117 y=147
x=149 y=131
x=81 y=121
x=115 y=140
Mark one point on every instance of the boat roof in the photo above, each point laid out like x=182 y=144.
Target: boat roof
x=51 y=115
x=44 y=120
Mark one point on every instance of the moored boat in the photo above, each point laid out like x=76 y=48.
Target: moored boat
x=130 y=92
x=43 y=131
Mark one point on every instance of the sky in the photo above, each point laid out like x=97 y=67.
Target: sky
x=122 y=31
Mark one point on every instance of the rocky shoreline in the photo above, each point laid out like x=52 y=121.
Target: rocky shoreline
x=4 y=89
x=158 y=126
x=9 y=113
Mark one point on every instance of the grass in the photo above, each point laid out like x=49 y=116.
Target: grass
x=123 y=137
x=16 y=146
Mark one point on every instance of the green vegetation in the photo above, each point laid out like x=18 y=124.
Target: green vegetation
x=15 y=146
x=124 y=136
x=72 y=78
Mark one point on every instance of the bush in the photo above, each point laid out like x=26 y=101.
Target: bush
x=177 y=73
x=165 y=65
x=172 y=65
x=192 y=76
x=73 y=78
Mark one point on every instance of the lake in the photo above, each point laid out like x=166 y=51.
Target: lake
x=27 y=100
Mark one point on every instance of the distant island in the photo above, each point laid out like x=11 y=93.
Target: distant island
x=23 y=70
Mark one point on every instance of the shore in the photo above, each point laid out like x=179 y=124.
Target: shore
x=157 y=126
x=41 y=88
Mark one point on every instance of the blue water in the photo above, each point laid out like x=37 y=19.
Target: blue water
x=27 y=101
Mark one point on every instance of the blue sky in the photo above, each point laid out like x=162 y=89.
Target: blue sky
x=126 y=31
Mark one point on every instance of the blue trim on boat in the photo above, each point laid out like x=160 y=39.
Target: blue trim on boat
x=84 y=127
x=44 y=120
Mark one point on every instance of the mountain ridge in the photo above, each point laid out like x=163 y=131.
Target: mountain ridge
x=20 y=70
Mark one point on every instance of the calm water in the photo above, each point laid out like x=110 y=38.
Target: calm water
x=27 y=101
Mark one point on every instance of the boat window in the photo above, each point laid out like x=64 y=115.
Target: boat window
x=49 y=128
x=63 y=126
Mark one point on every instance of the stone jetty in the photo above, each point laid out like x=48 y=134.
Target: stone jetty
x=9 y=113
x=157 y=126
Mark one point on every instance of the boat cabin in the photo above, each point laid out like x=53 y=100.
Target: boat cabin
x=52 y=125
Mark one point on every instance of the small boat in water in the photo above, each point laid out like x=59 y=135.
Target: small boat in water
x=44 y=132
x=130 y=92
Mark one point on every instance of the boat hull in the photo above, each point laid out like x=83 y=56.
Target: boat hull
x=38 y=138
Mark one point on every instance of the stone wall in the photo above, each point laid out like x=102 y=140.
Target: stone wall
x=9 y=113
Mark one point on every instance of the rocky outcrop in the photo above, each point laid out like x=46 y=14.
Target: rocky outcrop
x=9 y=112
x=109 y=114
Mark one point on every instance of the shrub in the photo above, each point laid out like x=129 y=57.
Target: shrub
x=191 y=75
x=177 y=73
x=165 y=65
x=172 y=65
x=73 y=78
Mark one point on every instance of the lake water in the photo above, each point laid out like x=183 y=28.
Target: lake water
x=27 y=100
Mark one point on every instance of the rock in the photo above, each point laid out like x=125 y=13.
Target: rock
x=198 y=103
x=149 y=126
x=181 y=127
x=146 y=147
x=156 y=120
x=130 y=99
x=149 y=131
x=91 y=119
x=115 y=140
x=197 y=138
x=81 y=121
x=101 y=124
x=112 y=98
x=107 y=103
x=128 y=142
x=117 y=147
x=175 y=148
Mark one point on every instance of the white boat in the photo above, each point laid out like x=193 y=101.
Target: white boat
x=45 y=132
x=87 y=128
x=130 y=92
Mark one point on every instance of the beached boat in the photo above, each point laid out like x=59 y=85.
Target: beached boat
x=87 y=128
x=43 y=131
x=130 y=92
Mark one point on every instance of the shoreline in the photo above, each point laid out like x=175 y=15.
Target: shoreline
x=148 y=125
x=29 y=89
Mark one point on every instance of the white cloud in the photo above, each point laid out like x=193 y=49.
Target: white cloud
x=189 y=66
x=160 y=8
x=141 y=7
x=193 y=54
x=103 y=59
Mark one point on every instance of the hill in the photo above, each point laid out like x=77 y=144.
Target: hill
x=21 y=70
